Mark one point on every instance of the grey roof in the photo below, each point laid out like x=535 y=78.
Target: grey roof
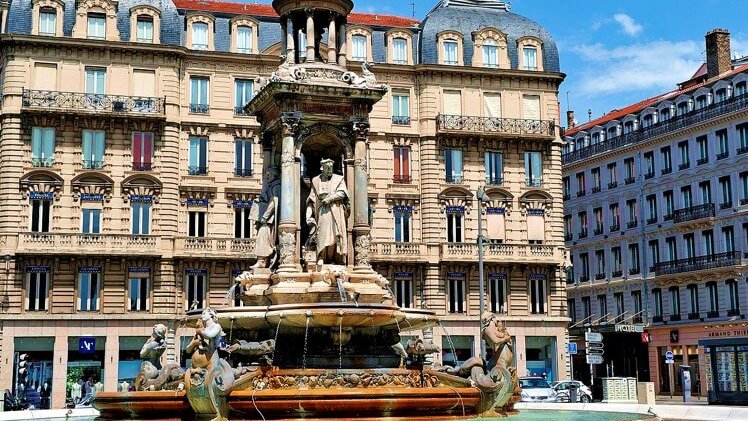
x=468 y=16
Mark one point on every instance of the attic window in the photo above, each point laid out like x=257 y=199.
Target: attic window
x=145 y=29
x=47 y=21
x=96 y=26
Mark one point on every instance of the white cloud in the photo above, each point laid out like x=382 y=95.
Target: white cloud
x=628 y=24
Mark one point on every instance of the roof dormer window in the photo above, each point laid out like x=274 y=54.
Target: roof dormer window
x=199 y=36
x=96 y=25
x=490 y=53
x=145 y=24
x=530 y=55
x=47 y=21
x=720 y=95
x=702 y=102
x=450 y=52
x=145 y=29
x=359 y=48
x=683 y=107
x=665 y=114
x=740 y=89
x=244 y=39
x=400 y=51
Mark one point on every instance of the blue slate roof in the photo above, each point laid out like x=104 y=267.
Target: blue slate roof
x=467 y=17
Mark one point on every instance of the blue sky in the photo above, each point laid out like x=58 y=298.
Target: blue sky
x=616 y=53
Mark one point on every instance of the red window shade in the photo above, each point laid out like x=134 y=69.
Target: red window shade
x=147 y=147
x=397 y=163
x=142 y=148
x=137 y=147
x=405 y=170
x=402 y=164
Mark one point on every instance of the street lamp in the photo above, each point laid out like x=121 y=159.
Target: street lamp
x=481 y=195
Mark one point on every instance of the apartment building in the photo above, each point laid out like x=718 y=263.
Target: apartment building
x=129 y=169
x=656 y=219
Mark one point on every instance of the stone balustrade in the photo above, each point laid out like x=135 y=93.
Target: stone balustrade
x=499 y=253
x=90 y=244
x=230 y=248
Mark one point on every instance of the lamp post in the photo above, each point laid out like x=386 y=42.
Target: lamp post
x=481 y=195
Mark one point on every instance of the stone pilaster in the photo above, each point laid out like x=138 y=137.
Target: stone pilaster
x=310 y=37
x=288 y=250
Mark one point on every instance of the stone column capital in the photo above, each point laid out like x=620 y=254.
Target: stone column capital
x=360 y=129
x=309 y=11
x=290 y=124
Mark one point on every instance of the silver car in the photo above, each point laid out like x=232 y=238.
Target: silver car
x=536 y=389
x=584 y=394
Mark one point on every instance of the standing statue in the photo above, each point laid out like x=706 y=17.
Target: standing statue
x=326 y=214
x=265 y=214
x=152 y=376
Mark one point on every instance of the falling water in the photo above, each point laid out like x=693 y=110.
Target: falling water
x=340 y=344
x=277 y=330
x=449 y=340
x=306 y=338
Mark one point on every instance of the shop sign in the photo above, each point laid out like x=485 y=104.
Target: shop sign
x=646 y=337
x=630 y=328
x=86 y=345
x=723 y=333
x=674 y=336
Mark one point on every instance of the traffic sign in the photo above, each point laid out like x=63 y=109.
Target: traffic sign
x=595 y=359
x=572 y=348
x=669 y=357
x=595 y=348
x=593 y=337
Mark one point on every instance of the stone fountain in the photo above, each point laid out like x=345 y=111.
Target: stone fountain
x=318 y=334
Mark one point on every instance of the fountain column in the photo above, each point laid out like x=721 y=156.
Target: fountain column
x=310 y=37
x=361 y=228
x=343 y=49
x=289 y=259
x=284 y=36
x=332 y=53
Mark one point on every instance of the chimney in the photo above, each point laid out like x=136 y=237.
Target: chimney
x=570 y=120
x=718 y=52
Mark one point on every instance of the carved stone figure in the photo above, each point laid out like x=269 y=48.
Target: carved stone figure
x=152 y=375
x=362 y=248
x=155 y=346
x=253 y=349
x=421 y=348
x=326 y=215
x=264 y=213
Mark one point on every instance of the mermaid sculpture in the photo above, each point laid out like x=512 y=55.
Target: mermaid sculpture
x=152 y=375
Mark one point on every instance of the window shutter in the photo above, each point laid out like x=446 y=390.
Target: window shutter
x=405 y=170
x=496 y=227
x=45 y=76
x=492 y=105
x=144 y=83
x=531 y=105
x=452 y=103
x=535 y=227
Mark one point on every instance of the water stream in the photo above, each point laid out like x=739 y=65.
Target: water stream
x=340 y=344
x=306 y=340
x=277 y=330
x=449 y=341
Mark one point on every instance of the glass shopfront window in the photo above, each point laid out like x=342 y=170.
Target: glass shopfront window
x=129 y=361
x=32 y=373
x=85 y=370
x=458 y=351
x=726 y=370
x=541 y=357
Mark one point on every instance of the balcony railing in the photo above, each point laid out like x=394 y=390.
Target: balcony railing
x=494 y=181
x=92 y=165
x=712 y=314
x=142 y=166
x=494 y=125
x=500 y=252
x=702 y=161
x=651 y=221
x=675 y=317
x=214 y=247
x=673 y=124
x=75 y=101
x=656 y=319
x=568 y=236
x=93 y=244
x=666 y=171
x=599 y=276
x=694 y=316
x=194 y=170
x=401 y=179
x=647 y=176
x=733 y=312
x=684 y=166
x=616 y=273
x=582 y=234
x=615 y=228
x=692 y=264
x=630 y=180
x=693 y=213
x=581 y=193
x=596 y=189
x=598 y=231
x=199 y=108
x=725 y=205
x=723 y=155
x=238 y=111
x=584 y=278
x=42 y=162
x=533 y=182
x=741 y=150
x=633 y=224
x=402 y=120
x=612 y=184
x=635 y=271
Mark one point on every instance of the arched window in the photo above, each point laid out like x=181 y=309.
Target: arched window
x=200 y=31
x=244 y=35
x=490 y=53
x=145 y=24
x=530 y=54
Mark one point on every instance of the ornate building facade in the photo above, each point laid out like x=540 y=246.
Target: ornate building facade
x=129 y=168
x=656 y=219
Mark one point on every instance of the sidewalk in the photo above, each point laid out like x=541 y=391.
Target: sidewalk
x=678 y=400
x=666 y=412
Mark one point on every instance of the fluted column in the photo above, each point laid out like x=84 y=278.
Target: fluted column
x=288 y=251
x=332 y=35
x=343 y=49
x=361 y=228
x=284 y=36
x=310 y=38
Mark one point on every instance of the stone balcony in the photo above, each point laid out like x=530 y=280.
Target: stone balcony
x=226 y=248
x=399 y=252
x=694 y=213
x=502 y=253
x=495 y=126
x=89 y=244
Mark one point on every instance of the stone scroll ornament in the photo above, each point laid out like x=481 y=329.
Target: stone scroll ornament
x=210 y=379
x=362 y=248
x=287 y=242
x=152 y=375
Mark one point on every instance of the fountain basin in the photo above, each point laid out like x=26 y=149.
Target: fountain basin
x=321 y=315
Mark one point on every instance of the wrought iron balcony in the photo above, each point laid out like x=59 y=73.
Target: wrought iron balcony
x=668 y=217
x=666 y=171
x=635 y=271
x=598 y=231
x=402 y=120
x=194 y=170
x=692 y=264
x=568 y=236
x=616 y=273
x=238 y=111
x=723 y=155
x=702 y=161
x=741 y=150
x=684 y=166
x=533 y=182
x=612 y=184
x=733 y=312
x=615 y=228
x=630 y=180
x=652 y=220
x=597 y=189
x=599 y=276
x=694 y=316
x=712 y=314
x=693 y=213
x=80 y=102
x=143 y=166
x=199 y=109
x=725 y=205
x=581 y=193
x=647 y=176
x=42 y=162
x=494 y=181
x=675 y=317
x=744 y=202
x=92 y=165
x=633 y=224
x=243 y=172
x=671 y=125
x=583 y=234
x=584 y=278
x=656 y=319
x=401 y=179
x=487 y=126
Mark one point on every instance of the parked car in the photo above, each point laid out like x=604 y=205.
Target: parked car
x=584 y=393
x=536 y=389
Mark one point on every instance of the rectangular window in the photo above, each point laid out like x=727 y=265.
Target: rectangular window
x=669 y=204
x=47 y=21
x=452 y=103
x=243 y=92
x=596 y=180
x=674 y=301
x=530 y=55
x=657 y=302
x=705 y=187
x=650 y=164
x=359 y=48
x=37 y=291
x=633 y=213
x=728 y=238
x=654 y=251
x=491 y=105
x=571 y=310
x=599 y=221
x=531 y=107
x=455 y=227
x=685 y=159
x=497 y=292
x=145 y=29
x=615 y=215
x=200 y=36
x=88 y=291
x=402 y=225
x=93 y=149
x=612 y=175
x=400 y=51
x=703 y=143
x=142 y=151
x=96 y=26
x=41 y=215
x=196 y=288
x=690 y=245
x=496 y=222
x=95 y=83
x=586 y=308
x=490 y=54
x=672 y=248
x=734 y=296
x=138 y=294
x=600 y=257
x=404 y=290
x=581 y=184
x=91 y=221
x=693 y=295
x=538 y=296
x=242 y=223
x=667 y=162
x=456 y=295
x=453 y=165
x=244 y=39
x=199 y=91
x=630 y=169
x=602 y=305
x=743 y=135
x=584 y=272
x=620 y=306
x=634 y=259
x=636 y=298
x=744 y=188
x=400 y=108
x=708 y=237
x=450 y=52
x=726 y=187
x=198 y=163
x=713 y=299
x=42 y=146
x=242 y=157
x=652 y=208
x=402 y=164
x=196 y=224
x=723 y=141
x=141 y=218
x=494 y=166
x=533 y=169
x=686 y=196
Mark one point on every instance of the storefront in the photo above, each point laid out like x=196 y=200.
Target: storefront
x=541 y=357
x=85 y=368
x=32 y=372
x=129 y=361
x=726 y=370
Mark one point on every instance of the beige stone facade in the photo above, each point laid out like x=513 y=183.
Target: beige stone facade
x=70 y=221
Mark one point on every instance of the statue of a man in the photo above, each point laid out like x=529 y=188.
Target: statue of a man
x=326 y=214
x=265 y=214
